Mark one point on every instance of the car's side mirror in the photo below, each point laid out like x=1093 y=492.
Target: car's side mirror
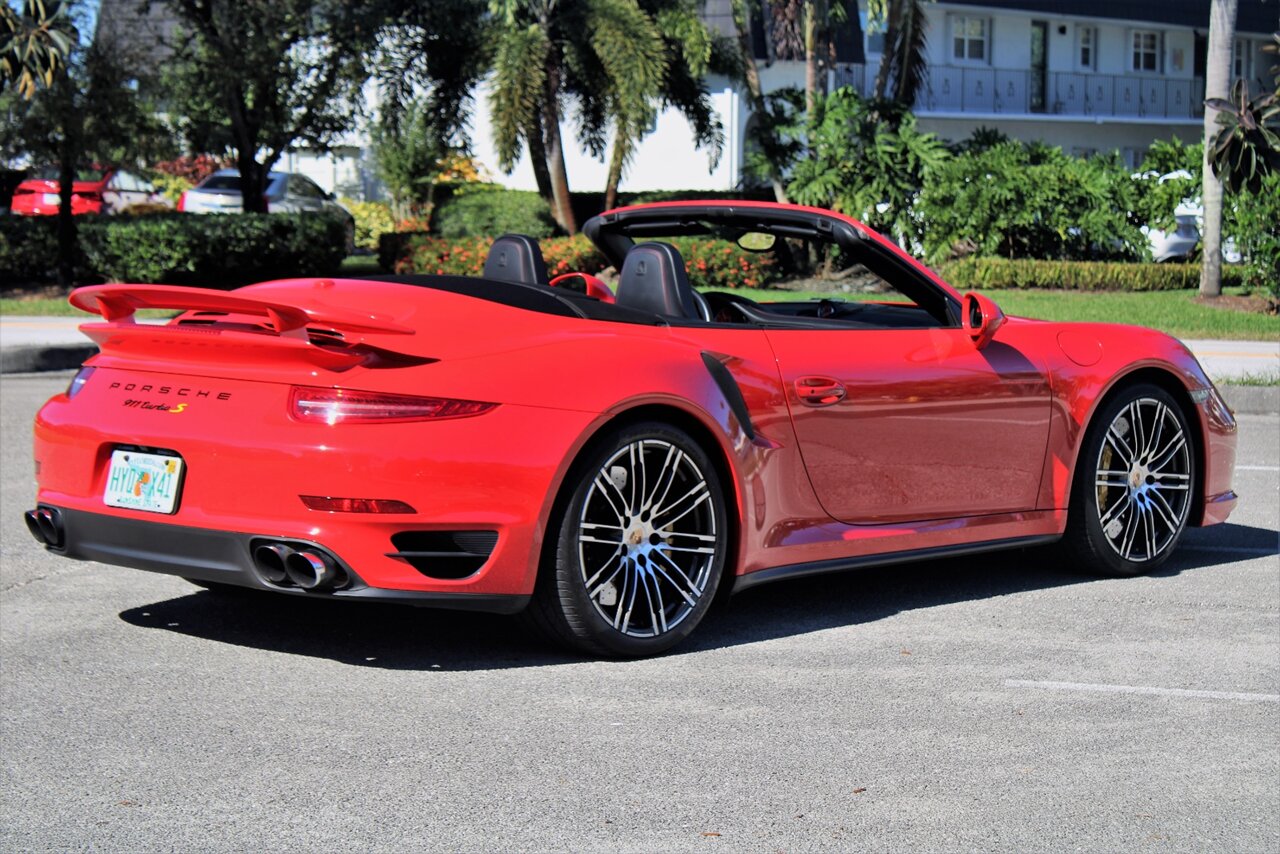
x=980 y=317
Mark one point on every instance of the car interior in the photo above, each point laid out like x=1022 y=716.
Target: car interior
x=653 y=279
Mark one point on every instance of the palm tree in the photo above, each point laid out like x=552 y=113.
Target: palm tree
x=1222 y=31
x=742 y=12
x=903 y=62
x=691 y=51
x=607 y=55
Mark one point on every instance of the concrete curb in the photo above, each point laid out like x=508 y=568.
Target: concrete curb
x=26 y=360
x=1252 y=399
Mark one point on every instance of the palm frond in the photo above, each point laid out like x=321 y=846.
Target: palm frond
x=520 y=74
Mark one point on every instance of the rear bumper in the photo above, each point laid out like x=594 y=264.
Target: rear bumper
x=225 y=557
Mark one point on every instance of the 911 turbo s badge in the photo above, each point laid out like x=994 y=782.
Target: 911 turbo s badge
x=158 y=407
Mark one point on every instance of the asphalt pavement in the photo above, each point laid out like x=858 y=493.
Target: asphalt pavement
x=993 y=703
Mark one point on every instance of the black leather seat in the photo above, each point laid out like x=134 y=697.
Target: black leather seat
x=653 y=279
x=516 y=258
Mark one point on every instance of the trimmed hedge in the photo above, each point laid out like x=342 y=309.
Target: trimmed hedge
x=997 y=273
x=489 y=212
x=222 y=251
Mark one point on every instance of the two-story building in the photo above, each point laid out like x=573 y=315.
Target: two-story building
x=1087 y=75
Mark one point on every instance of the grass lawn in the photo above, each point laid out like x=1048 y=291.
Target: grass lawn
x=1175 y=312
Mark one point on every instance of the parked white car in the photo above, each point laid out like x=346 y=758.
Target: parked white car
x=287 y=192
x=1179 y=244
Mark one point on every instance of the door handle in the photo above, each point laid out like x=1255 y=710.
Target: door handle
x=819 y=391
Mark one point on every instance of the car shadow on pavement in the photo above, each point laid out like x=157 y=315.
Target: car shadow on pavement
x=407 y=638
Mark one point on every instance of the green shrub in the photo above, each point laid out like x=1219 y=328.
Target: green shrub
x=995 y=273
x=373 y=219
x=490 y=212
x=29 y=250
x=716 y=264
x=1030 y=201
x=222 y=251
x=1253 y=220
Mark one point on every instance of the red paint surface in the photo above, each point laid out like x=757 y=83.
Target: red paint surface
x=935 y=443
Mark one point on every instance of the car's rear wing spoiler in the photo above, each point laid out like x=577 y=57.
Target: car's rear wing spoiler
x=120 y=335
x=118 y=303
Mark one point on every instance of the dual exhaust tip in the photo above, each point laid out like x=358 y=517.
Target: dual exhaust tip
x=307 y=568
x=45 y=524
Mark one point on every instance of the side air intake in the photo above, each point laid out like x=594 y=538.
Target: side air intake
x=444 y=554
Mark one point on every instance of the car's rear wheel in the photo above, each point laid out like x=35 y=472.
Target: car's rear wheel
x=1134 y=484
x=639 y=545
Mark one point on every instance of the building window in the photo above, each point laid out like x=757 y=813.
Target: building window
x=1242 y=59
x=969 y=38
x=1086 y=46
x=1146 y=50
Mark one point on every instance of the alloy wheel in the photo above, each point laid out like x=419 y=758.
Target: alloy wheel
x=647 y=538
x=1143 y=480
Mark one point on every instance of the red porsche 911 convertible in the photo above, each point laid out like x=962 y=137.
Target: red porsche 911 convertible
x=611 y=458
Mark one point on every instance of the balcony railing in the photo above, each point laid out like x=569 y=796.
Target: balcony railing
x=952 y=89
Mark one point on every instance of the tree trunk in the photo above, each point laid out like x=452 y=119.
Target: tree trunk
x=66 y=222
x=815 y=45
x=253 y=179
x=751 y=76
x=893 y=28
x=534 y=139
x=616 y=160
x=1222 y=29
x=562 y=206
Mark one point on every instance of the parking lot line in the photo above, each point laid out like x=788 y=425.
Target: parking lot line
x=1257 y=468
x=1142 y=689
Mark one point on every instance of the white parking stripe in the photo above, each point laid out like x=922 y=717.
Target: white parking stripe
x=1257 y=468
x=1141 y=689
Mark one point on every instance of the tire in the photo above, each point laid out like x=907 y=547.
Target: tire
x=1134 y=485
x=613 y=582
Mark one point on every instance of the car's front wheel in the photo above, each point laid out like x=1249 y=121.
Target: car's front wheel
x=639 y=547
x=1134 y=483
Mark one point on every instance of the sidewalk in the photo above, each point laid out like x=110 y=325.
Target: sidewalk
x=30 y=344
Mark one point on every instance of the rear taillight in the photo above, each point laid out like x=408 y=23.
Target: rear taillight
x=78 y=381
x=355 y=505
x=344 y=406
x=90 y=196
x=182 y=201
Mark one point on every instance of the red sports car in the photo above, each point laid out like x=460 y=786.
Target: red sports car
x=94 y=191
x=611 y=461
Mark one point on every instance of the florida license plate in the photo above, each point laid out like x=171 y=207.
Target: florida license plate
x=140 y=481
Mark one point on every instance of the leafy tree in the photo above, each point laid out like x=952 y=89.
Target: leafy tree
x=265 y=75
x=91 y=113
x=430 y=58
x=35 y=45
x=691 y=52
x=608 y=56
x=1030 y=201
x=867 y=160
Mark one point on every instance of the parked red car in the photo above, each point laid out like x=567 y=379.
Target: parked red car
x=95 y=191
x=609 y=459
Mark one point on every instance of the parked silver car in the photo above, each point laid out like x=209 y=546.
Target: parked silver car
x=287 y=192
